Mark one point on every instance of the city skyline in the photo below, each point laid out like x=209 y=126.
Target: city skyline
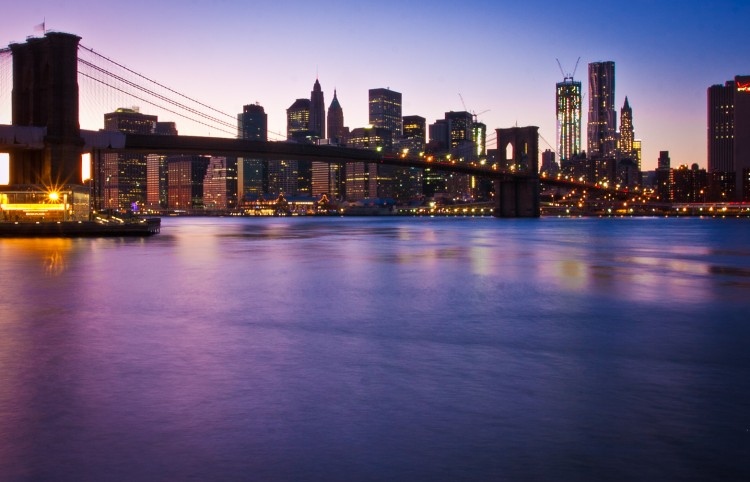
x=513 y=80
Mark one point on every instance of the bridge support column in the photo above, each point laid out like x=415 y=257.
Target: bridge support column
x=45 y=94
x=517 y=198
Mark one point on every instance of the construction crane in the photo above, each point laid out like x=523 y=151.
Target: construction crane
x=473 y=113
x=568 y=76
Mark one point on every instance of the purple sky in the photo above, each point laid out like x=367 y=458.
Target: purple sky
x=500 y=56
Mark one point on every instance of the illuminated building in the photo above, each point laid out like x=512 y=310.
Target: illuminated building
x=361 y=177
x=689 y=185
x=122 y=178
x=627 y=136
x=297 y=130
x=185 y=182
x=317 y=112
x=729 y=135
x=602 y=119
x=220 y=184
x=664 y=177
x=336 y=129
x=283 y=178
x=252 y=174
x=156 y=170
x=298 y=120
x=637 y=151
x=252 y=123
x=385 y=111
x=414 y=128
x=568 y=118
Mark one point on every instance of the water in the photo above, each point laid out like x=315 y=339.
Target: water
x=379 y=349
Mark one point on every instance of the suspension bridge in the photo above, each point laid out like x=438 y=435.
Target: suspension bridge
x=52 y=80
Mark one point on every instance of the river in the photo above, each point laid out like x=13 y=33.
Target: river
x=379 y=349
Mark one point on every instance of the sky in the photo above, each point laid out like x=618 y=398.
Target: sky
x=500 y=56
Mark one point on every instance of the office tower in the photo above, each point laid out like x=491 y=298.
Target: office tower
x=414 y=128
x=479 y=138
x=568 y=118
x=122 y=178
x=637 y=151
x=156 y=170
x=215 y=186
x=252 y=123
x=385 y=111
x=298 y=121
x=627 y=136
x=185 y=180
x=664 y=177
x=252 y=174
x=336 y=129
x=297 y=130
x=729 y=138
x=317 y=112
x=602 y=120
x=549 y=165
x=690 y=185
x=361 y=177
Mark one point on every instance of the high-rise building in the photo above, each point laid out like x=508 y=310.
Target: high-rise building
x=385 y=111
x=568 y=118
x=602 y=119
x=729 y=134
x=627 y=136
x=252 y=123
x=122 y=178
x=298 y=121
x=317 y=112
x=216 y=185
x=252 y=174
x=414 y=128
x=298 y=130
x=156 y=170
x=362 y=178
x=186 y=176
x=336 y=129
x=664 y=177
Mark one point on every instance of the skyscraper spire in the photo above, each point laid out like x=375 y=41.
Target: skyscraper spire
x=317 y=111
x=335 y=118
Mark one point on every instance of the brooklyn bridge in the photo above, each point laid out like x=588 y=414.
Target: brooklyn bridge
x=45 y=144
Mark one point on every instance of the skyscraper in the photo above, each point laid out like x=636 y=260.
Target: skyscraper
x=252 y=174
x=729 y=135
x=627 y=135
x=317 y=112
x=602 y=119
x=122 y=178
x=568 y=118
x=336 y=129
x=298 y=120
x=385 y=111
x=252 y=123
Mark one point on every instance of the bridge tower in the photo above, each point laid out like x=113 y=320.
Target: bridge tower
x=517 y=196
x=45 y=94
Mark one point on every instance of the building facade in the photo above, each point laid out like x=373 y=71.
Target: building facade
x=317 y=112
x=602 y=119
x=568 y=118
x=335 y=121
x=729 y=134
x=385 y=111
x=123 y=178
x=252 y=174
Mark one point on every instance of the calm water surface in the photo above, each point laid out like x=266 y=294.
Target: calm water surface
x=379 y=349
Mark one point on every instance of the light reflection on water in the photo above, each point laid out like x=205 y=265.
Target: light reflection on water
x=380 y=349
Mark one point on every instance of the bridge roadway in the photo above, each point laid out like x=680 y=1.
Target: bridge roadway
x=155 y=144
